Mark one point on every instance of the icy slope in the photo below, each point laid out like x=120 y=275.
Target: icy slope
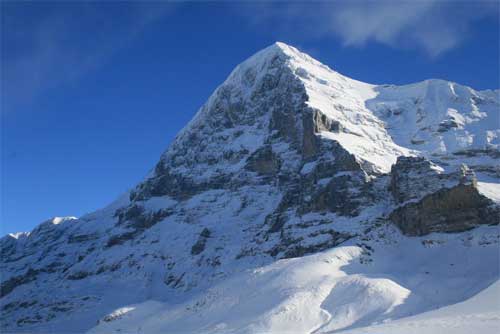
x=287 y=158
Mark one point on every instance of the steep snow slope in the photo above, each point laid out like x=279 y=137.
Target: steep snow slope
x=380 y=123
x=343 y=100
x=352 y=285
x=286 y=159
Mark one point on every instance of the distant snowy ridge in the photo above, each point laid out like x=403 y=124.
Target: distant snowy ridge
x=296 y=200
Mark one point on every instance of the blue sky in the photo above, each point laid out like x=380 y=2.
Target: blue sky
x=92 y=93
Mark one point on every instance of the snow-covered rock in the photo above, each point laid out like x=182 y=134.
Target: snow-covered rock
x=275 y=209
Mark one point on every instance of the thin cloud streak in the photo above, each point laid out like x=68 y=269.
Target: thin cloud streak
x=56 y=48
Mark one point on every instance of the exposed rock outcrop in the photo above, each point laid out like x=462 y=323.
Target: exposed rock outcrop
x=433 y=201
x=264 y=162
x=199 y=246
x=414 y=177
x=455 y=209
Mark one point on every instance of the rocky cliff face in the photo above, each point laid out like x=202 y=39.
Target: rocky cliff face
x=286 y=158
x=432 y=201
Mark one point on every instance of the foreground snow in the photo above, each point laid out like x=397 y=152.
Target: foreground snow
x=348 y=289
x=479 y=314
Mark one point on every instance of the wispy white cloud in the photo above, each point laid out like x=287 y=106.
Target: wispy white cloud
x=434 y=26
x=358 y=23
x=44 y=47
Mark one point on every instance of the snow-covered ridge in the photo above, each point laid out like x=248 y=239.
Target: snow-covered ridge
x=19 y=235
x=287 y=202
x=381 y=122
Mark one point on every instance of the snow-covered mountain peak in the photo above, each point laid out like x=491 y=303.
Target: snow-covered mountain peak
x=18 y=235
x=278 y=49
x=441 y=117
x=287 y=158
x=59 y=220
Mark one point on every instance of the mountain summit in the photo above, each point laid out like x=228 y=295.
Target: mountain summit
x=297 y=199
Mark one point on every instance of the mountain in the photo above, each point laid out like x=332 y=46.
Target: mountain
x=296 y=200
